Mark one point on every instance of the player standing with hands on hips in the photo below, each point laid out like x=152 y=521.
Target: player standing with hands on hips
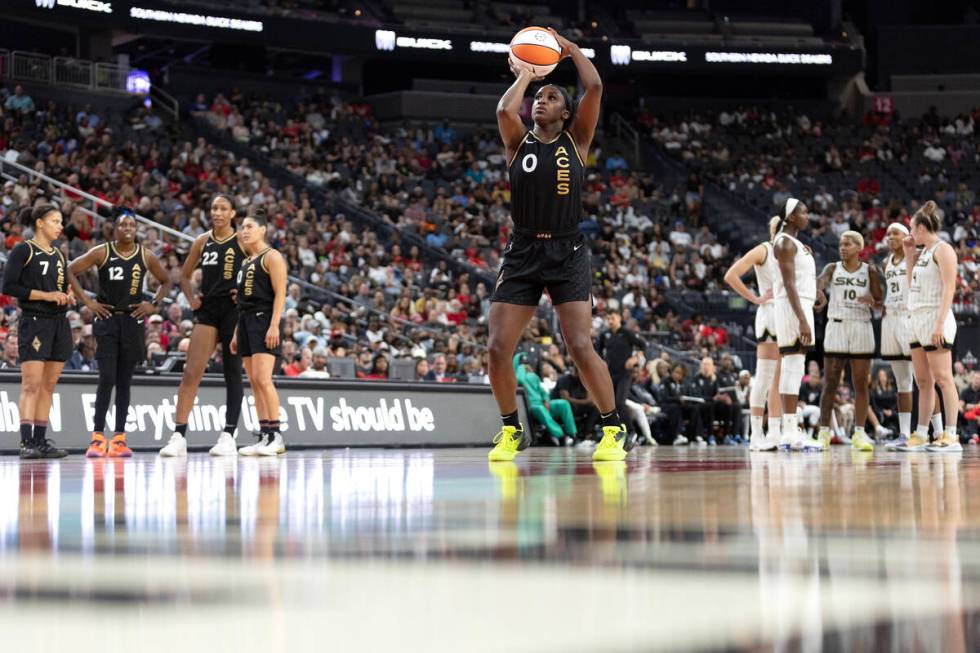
x=119 y=332
x=546 y=251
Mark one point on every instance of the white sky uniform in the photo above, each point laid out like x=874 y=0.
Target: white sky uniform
x=787 y=324
x=895 y=325
x=925 y=295
x=850 y=333
x=765 y=314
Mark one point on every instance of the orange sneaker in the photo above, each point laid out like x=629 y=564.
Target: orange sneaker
x=97 y=448
x=118 y=448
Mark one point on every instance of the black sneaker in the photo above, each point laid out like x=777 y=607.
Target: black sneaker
x=46 y=449
x=29 y=451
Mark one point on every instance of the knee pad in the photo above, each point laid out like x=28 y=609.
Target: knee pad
x=765 y=372
x=903 y=375
x=791 y=374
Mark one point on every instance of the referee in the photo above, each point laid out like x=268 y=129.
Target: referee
x=617 y=345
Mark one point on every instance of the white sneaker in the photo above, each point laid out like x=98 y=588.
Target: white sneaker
x=701 y=442
x=273 y=446
x=680 y=441
x=811 y=444
x=252 y=449
x=882 y=432
x=586 y=444
x=785 y=444
x=176 y=447
x=897 y=443
x=225 y=446
x=767 y=444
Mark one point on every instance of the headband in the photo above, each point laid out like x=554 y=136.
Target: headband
x=898 y=225
x=791 y=205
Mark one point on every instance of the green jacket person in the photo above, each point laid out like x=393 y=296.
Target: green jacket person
x=554 y=414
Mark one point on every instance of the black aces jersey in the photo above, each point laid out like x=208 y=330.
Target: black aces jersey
x=220 y=260
x=121 y=278
x=546 y=185
x=45 y=270
x=255 y=293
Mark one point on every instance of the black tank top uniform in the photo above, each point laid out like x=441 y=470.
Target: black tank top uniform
x=121 y=281
x=220 y=262
x=255 y=293
x=255 y=299
x=43 y=331
x=121 y=278
x=547 y=251
x=45 y=270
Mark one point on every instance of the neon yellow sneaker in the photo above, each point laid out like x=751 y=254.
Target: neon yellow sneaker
x=614 y=445
x=862 y=442
x=824 y=436
x=509 y=441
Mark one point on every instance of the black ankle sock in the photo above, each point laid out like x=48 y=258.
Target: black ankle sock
x=182 y=429
x=230 y=430
x=40 y=431
x=511 y=420
x=264 y=425
x=612 y=419
x=26 y=433
x=273 y=426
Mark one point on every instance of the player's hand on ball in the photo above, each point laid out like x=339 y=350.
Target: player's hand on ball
x=522 y=72
x=566 y=45
x=806 y=335
x=272 y=337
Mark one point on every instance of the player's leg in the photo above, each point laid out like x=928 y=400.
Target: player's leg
x=927 y=399
x=506 y=324
x=31 y=374
x=790 y=378
x=124 y=381
x=204 y=338
x=108 y=369
x=232 y=370
x=940 y=364
x=575 y=318
x=262 y=384
x=42 y=409
x=833 y=367
x=260 y=413
x=902 y=370
x=861 y=377
x=763 y=387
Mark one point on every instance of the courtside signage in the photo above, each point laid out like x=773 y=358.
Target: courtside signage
x=312 y=414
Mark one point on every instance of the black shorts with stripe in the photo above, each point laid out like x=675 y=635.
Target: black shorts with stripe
x=532 y=264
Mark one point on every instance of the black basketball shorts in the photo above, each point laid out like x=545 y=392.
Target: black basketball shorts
x=45 y=339
x=220 y=313
x=252 y=328
x=530 y=266
x=121 y=337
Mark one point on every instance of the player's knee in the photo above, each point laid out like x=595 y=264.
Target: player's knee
x=48 y=385
x=580 y=348
x=791 y=374
x=498 y=351
x=30 y=387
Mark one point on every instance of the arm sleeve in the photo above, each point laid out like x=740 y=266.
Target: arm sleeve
x=11 y=273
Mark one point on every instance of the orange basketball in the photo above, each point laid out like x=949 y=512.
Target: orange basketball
x=536 y=49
